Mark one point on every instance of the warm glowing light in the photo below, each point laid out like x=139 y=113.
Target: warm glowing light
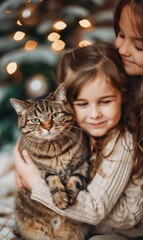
x=8 y=11
x=36 y=85
x=11 y=67
x=84 y=23
x=30 y=45
x=84 y=43
x=19 y=36
x=60 y=25
x=26 y=13
x=58 y=45
x=53 y=36
x=19 y=23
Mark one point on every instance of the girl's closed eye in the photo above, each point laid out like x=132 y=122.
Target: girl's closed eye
x=80 y=103
x=105 y=102
x=121 y=34
x=139 y=46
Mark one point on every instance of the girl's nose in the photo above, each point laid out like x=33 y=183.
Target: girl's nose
x=124 y=49
x=95 y=113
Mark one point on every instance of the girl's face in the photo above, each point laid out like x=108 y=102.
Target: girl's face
x=129 y=43
x=98 y=106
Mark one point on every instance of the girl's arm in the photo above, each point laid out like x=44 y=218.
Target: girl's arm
x=128 y=210
x=95 y=204
x=125 y=214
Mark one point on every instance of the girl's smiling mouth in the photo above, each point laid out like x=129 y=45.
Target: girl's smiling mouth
x=127 y=62
x=98 y=124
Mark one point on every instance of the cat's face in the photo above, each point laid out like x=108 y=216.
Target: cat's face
x=46 y=118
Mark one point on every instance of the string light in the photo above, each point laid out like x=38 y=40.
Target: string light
x=8 y=11
x=30 y=45
x=53 y=36
x=19 y=23
x=58 y=45
x=29 y=14
x=60 y=25
x=37 y=85
x=11 y=67
x=84 y=43
x=26 y=13
x=19 y=36
x=84 y=23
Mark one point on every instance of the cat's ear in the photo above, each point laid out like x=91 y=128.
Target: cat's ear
x=60 y=94
x=20 y=106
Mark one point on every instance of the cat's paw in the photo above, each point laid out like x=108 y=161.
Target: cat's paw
x=72 y=195
x=60 y=199
x=71 y=200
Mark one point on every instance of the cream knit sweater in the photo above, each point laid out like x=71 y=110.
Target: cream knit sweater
x=110 y=200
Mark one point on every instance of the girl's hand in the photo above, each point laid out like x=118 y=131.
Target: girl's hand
x=27 y=174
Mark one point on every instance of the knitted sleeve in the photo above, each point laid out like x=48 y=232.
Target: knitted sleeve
x=128 y=210
x=94 y=204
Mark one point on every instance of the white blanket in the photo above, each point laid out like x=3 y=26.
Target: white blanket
x=7 y=193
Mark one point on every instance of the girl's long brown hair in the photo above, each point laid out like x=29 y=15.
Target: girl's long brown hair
x=134 y=116
x=137 y=8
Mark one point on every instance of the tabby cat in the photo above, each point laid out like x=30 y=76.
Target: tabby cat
x=61 y=151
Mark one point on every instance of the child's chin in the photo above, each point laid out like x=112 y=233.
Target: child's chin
x=97 y=133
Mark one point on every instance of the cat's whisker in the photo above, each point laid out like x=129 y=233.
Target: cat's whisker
x=79 y=128
x=36 y=144
x=72 y=136
x=71 y=133
x=75 y=137
x=66 y=133
x=32 y=145
x=24 y=144
x=75 y=126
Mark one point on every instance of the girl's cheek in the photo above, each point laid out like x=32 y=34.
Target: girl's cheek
x=117 y=42
x=139 y=61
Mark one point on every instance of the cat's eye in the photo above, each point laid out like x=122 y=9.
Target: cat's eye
x=55 y=115
x=35 y=120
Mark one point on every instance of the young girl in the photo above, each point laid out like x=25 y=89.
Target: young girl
x=97 y=89
x=128 y=24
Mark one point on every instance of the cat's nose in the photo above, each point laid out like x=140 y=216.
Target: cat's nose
x=47 y=125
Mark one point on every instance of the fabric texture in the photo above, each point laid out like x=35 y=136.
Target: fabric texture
x=7 y=194
x=108 y=237
x=99 y=205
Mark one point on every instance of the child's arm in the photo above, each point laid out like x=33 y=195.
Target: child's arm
x=94 y=205
x=128 y=210
x=125 y=214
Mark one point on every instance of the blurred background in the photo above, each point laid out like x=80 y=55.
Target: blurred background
x=33 y=36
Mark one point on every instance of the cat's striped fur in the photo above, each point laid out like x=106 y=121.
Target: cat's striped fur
x=61 y=151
